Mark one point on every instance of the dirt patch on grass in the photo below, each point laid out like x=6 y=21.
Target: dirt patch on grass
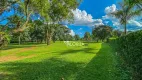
x=24 y=50
x=13 y=57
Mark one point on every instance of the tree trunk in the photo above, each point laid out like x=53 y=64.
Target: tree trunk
x=125 y=29
x=48 y=39
x=19 y=39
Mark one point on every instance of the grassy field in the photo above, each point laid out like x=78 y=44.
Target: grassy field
x=57 y=61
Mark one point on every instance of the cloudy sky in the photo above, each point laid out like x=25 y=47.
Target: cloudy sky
x=96 y=12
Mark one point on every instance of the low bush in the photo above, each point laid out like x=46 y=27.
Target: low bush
x=129 y=48
x=4 y=39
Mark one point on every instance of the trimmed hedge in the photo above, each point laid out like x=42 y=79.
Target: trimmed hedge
x=129 y=48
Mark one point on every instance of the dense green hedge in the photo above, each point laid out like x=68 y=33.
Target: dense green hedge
x=129 y=48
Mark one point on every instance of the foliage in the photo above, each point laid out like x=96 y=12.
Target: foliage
x=134 y=3
x=102 y=32
x=130 y=49
x=60 y=33
x=77 y=37
x=5 y=4
x=87 y=36
x=37 y=31
x=116 y=33
x=4 y=39
x=50 y=13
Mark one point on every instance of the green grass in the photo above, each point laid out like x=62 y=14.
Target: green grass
x=93 y=62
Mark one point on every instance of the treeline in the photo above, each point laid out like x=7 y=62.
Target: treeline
x=102 y=33
x=35 y=20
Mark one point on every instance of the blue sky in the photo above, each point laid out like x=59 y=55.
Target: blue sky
x=96 y=8
x=97 y=12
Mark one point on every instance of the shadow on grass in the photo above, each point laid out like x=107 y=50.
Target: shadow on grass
x=52 y=69
x=85 y=50
x=13 y=46
x=101 y=67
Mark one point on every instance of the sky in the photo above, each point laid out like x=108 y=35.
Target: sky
x=96 y=12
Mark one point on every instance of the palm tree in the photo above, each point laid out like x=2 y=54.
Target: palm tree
x=125 y=13
x=137 y=3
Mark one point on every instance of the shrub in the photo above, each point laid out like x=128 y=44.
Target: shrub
x=4 y=39
x=130 y=49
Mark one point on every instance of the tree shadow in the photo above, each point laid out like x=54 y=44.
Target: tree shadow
x=84 y=50
x=73 y=51
x=16 y=46
x=51 y=69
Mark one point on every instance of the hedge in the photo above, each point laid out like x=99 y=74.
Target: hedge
x=129 y=47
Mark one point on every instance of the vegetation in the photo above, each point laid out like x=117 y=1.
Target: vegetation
x=102 y=32
x=87 y=36
x=47 y=17
x=129 y=48
x=4 y=39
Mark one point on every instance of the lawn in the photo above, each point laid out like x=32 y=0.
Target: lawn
x=58 y=62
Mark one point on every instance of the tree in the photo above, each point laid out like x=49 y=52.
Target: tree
x=116 y=33
x=102 y=32
x=5 y=4
x=69 y=37
x=125 y=13
x=59 y=11
x=37 y=31
x=87 y=36
x=4 y=39
x=51 y=12
x=134 y=3
x=60 y=33
x=15 y=22
x=77 y=37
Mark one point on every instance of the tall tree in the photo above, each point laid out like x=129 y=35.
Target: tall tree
x=87 y=36
x=77 y=37
x=60 y=33
x=102 y=32
x=37 y=31
x=15 y=22
x=59 y=11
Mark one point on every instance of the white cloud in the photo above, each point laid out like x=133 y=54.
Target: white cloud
x=110 y=9
x=72 y=33
x=66 y=26
x=82 y=18
x=135 y=23
x=108 y=16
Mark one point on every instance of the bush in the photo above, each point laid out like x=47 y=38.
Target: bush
x=4 y=39
x=130 y=49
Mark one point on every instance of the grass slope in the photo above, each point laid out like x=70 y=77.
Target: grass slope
x=93 y=62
